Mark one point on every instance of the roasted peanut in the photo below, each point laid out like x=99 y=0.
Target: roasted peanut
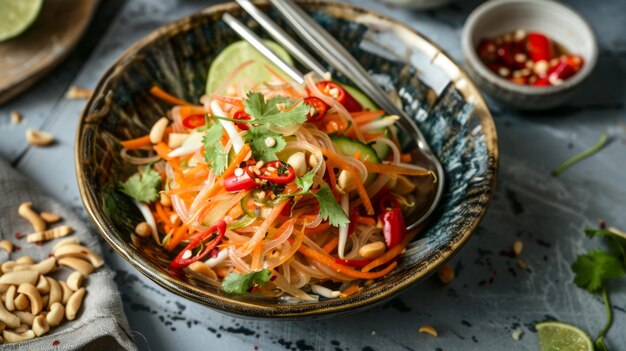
x=346 y=181
x=74 y=303
x=428 y=329
x=21 y=302
x=143 y=230
x=70 y=240
x=40 y=325
x=67 y=292
x=43 y=286
x=298 y=162
x=203 y=269
x=79 y=251
x=36 y=305
x=6 y=246
x=75 y=280
x=27 y=260
x=372 y=250
x=26 y=211
x=19 y=277
x=10 y=297
x=56 y=314
x=46 y=266
x=158 y=130
x=50 y=234
x=56 y=293
x=39 y=138
x=10 y=337
x=8 y=318
x=25 y=317
x=50 y=217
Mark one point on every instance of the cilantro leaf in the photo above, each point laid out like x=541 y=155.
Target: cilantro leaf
x=214 y=153
x=594 y=268
x=143 y=187
x=330 y=209
x=268 y=113
x=616 y=241
x=306 y=181
x=256 y=138
x=237 y=283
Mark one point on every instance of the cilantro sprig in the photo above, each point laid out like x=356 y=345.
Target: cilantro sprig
x=237 y=283
x=260 y=151
x=593 y=269
x=214 y=153
x=330 y=209
x=268 y=113
x=143 y=187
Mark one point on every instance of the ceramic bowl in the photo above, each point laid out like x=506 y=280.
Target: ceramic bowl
x=432 y=88
x=559 y=22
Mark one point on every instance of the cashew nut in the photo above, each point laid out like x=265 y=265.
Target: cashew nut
x=8 y=318
x=21 y=302
x=40 y=325
x=25 y=317
x=73 y=304
x=79 y=251
x=158 y=130
x=43 y=286
x=56 y=293
x=298 y=162
x=372 y=250
x=78 y=93
x=26 y=210
x=46 y=266
x=19 y=277
x=71 y=240
x=56 y=314
x=6 y=246
x=76 y=264
x=50 y=234
x=75 y=280
x=39 y=138
x=16 y=117
x=202 y=269
x=7 y=266
x=36 y=305
x=8 y=300
x=67 y=292
x=10 y=336
x=50 y=217
x=25 y=260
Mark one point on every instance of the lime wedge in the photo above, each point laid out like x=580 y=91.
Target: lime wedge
x=237 y=53
x=559 y=336
x=16 y=16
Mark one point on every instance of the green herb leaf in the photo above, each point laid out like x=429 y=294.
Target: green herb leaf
x=268 y=114
x=237 y=283
x=615 y=240
x=594 y=268
x=143 y=187
x=214 y=153
x=256 y=138
x=329 y=208
x=306 y=181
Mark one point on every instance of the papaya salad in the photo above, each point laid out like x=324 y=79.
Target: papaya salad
x=274 y=188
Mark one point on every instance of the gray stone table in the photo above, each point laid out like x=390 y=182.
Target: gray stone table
x=490 y=297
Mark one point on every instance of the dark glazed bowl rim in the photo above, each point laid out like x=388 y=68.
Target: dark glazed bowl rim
x=224 y=302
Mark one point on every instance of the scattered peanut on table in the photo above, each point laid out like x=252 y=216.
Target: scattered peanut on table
x=33 y=300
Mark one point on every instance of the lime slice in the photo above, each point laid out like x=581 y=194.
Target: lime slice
x=237 y=53
x=559 y=336
x=16 y=16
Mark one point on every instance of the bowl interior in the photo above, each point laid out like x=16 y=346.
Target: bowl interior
x=559 y=22
x=431 y=87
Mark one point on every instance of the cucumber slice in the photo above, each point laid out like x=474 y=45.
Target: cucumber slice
x=359 y=96
x=348 y=147
x=382 y=149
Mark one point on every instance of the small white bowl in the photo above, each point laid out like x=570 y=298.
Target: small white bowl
x=562 y=24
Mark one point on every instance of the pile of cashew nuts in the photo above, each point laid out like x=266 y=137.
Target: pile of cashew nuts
x=32 y=300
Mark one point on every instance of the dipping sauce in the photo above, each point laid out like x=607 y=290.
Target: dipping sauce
x=528 y=58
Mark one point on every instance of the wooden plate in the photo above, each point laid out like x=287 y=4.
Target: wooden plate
x=27 y=58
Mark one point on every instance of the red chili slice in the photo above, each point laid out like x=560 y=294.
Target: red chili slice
x=337 y=92
x=394 y=228
x=194 y=121
x=354 y=263
x=318 y=108
x=232 y=183
x=562 y=71
x=242 y=115
x=180 y=262
x=539 y=47
x=277 y=172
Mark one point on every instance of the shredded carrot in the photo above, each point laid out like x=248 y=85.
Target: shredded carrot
x=331 y=245
x=354 y=287
x=161 y=214
x=162 y=150
x=366 y=220
x=161 y=94
x=357 y=155
x=394 y=169
x=332 y=179
x=186 y=111
x=177 y=237
x=240 y=157
x=392 y=253
x=319 y=229
x=364 y=117
x=329 y=261
x=357 y=180
x=406 y=158
x=136 y=143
